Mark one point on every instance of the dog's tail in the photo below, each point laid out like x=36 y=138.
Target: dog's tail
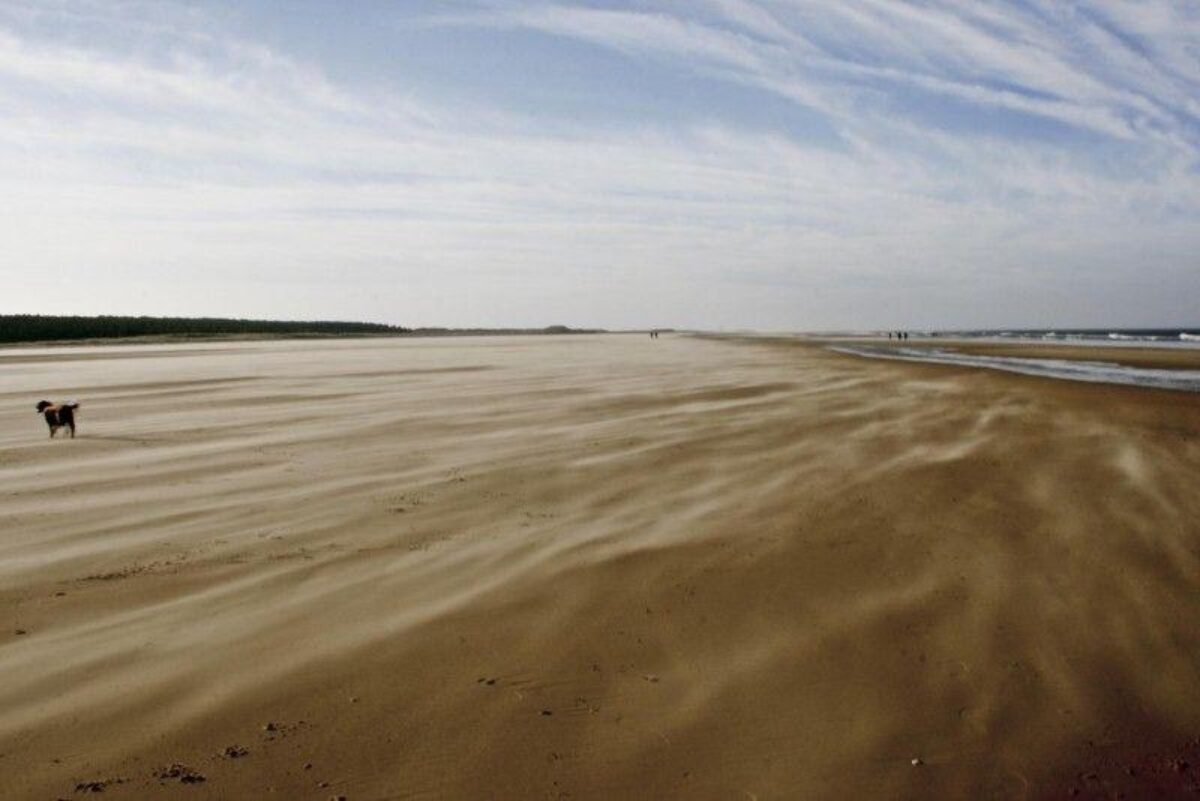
x=71 y=404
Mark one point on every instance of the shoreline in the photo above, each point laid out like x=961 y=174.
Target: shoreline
x=1172 y=369
x=1146 y=356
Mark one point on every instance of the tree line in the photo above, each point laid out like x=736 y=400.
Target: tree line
x=40 y=327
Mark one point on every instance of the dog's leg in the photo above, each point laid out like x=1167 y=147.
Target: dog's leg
x=71 y=425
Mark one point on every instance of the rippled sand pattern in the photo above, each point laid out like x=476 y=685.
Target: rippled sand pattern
x=587 y=567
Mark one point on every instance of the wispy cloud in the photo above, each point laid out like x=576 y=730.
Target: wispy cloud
x=996 y=162
x=1060 y=65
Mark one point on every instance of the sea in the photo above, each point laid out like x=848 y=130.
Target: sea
x=1049 y=367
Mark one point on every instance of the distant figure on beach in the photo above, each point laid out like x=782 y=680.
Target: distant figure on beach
x=58 y=416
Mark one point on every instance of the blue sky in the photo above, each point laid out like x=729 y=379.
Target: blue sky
x=777 y=165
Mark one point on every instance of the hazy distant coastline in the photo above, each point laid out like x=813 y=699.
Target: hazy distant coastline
x=34 y=329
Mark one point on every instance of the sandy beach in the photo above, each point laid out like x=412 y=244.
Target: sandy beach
x=591 y=567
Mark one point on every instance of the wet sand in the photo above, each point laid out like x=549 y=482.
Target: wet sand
x=1130 y=356
x=592 y=567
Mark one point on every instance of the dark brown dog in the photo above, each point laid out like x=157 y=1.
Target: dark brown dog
x=58 y=416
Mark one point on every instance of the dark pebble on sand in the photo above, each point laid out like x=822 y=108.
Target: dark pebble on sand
x=19 y=632
x=234 y=752
x=547 y=712
x=96 y=786
x=182 y=772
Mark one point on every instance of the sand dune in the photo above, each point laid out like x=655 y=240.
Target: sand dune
x=590 y=567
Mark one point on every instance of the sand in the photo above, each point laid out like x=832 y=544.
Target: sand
x=591 y=567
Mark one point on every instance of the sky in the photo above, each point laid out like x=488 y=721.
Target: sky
x=716 y=164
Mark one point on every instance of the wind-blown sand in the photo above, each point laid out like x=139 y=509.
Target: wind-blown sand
x=591 y=567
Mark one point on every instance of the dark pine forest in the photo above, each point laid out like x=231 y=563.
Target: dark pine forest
x=40 y=328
